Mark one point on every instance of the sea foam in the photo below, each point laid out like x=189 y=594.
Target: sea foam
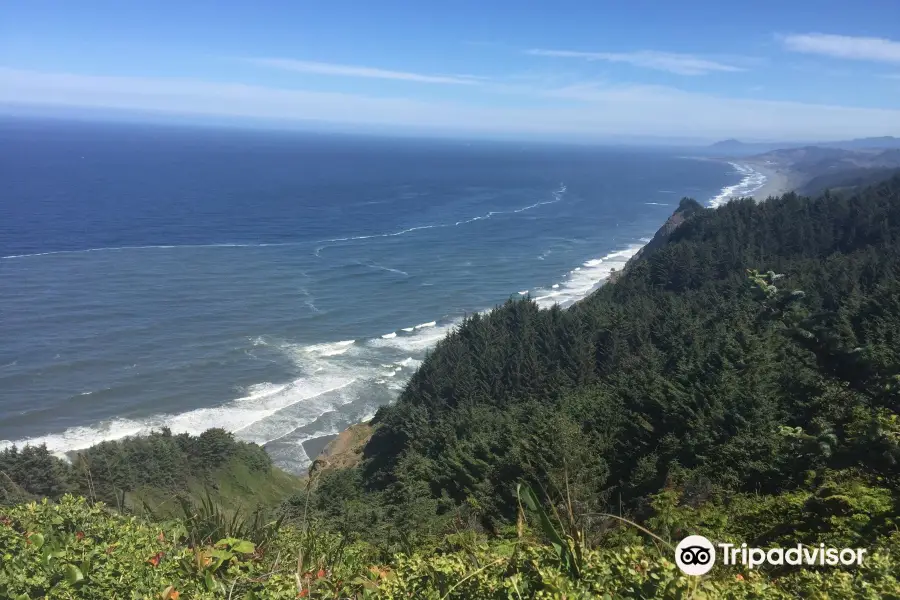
x=581 y=281
x=751 y=181
x=330 y=349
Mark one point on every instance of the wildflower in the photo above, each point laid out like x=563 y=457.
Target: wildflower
x=739 y=577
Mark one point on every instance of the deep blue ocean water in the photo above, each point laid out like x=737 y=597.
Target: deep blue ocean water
x=283 y=285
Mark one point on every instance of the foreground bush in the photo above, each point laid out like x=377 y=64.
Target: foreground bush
x=75 y=550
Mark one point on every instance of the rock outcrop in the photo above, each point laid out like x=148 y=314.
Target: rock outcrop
x=344 y=451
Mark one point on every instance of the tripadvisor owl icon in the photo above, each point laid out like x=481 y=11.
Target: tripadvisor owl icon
x=695 y=555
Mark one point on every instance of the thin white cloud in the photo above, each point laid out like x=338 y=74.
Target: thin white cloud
x=585 y=111
x=844 y=46
x=321 y=68
x=680 y=64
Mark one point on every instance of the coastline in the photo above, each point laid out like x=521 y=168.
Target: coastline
x=575 y=285
x=778 y=181
x=775 y=182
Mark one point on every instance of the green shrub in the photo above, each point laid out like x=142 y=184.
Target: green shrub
x=74 y=550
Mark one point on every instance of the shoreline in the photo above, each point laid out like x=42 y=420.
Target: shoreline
x=575 y=285
x=776 y=183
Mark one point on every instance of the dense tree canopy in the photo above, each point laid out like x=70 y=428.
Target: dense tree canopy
x=690 y=370
x=160 y=460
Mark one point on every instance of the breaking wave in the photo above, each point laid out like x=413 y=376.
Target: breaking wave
x=751 y=181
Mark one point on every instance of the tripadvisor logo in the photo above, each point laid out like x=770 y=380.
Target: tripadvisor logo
x=696 y=555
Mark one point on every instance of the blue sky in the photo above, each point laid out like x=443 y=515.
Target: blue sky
x=563 y=70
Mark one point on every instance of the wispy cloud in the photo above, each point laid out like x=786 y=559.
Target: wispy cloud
x=681 y=64
x=321 y=68
x=584 y=111
x=844 y=46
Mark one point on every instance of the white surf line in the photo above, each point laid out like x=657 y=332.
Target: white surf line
x=382 y=268
x=378 y=235
x=511 y=212
x=306 y=421
x=310 y=301
x=535 y=205
x=175 y=421
x=749 y=176
x=556 y=194
x=270 y=412
x=159 y=247
x=277 y=244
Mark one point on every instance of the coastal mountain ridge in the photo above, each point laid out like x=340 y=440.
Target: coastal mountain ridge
x=734 y=146
x=813 y=169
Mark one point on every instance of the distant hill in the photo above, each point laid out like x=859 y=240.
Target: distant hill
x=815 y=160
x=885 y=141
x=817 y=168
x=850 y=179
x=733 y=147
x=728 y=144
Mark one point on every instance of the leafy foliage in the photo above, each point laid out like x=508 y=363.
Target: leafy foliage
x=74 y=550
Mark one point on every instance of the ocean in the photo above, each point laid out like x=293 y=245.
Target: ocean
x=284 y=285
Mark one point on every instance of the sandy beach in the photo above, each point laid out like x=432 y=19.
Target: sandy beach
x=778 y=181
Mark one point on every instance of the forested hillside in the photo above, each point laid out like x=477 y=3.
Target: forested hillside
x=740 y=381
x=149 y=473
x=687 y=373
x=844 y=180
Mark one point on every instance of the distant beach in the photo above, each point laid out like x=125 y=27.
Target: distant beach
x=777 y=182
x=759 y=180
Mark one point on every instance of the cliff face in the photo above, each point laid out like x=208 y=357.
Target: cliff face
x=343 y=451
x=686 y=208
